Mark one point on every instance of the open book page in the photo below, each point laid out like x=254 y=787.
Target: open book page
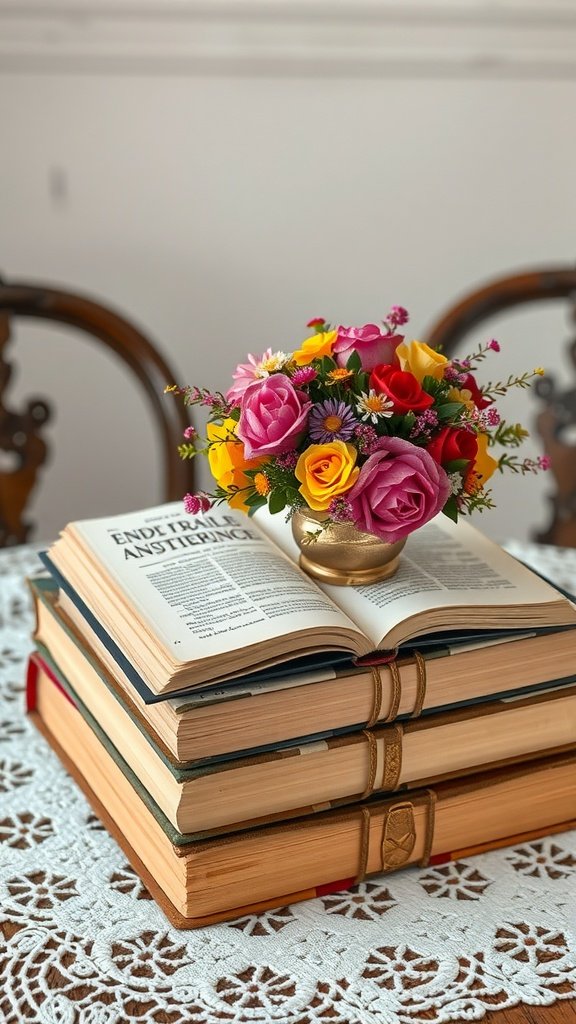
x=444 y=565
x=207 y=584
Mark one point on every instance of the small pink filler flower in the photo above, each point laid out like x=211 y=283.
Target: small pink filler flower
x=398 y=316
x=196 y=503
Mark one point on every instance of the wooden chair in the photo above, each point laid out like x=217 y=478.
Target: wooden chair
x=21 y=437
x=556 y=422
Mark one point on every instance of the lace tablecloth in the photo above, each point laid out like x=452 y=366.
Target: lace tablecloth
x=81 y=942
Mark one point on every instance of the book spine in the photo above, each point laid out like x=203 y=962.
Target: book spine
x=35 y=665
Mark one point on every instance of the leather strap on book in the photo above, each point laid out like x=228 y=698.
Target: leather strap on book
x=392 y=757
x=398 y=836
x=376 y=696
x=392 y=766
x=396 y=691
x=372 y=763
x=420 y=684
x=396 y=694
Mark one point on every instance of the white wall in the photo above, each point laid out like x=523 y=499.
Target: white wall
x=222 y=176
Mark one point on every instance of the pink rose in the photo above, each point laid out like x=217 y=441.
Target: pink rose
x=273 y=416
x=400 y=488
x=369 y=342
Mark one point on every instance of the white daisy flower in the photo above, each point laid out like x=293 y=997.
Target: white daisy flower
x=374 y=407
x=271 y=363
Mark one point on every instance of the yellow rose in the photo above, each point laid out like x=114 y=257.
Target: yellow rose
x=227 y=462
x=315 y=347
x=325 y=471
x=419 y=359
x=483 y=468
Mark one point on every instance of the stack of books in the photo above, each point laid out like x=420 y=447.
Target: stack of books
x=252 y=738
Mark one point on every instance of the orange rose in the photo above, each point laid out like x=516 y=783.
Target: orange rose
x=325 y=471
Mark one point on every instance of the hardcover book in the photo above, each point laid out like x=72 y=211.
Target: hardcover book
x=295 y=780
x=204 y=881
x=215 y=723
x=189 y=602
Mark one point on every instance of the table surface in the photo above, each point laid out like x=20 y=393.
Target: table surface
x=81 y=942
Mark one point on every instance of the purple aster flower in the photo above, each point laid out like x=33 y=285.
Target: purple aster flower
x=493 y=345
x=331 y=420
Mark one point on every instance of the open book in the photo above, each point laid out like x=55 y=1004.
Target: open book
x=237 y=716
x=191 y=601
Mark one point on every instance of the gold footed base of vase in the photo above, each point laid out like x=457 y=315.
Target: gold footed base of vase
x=352 y=578
x=341 y=554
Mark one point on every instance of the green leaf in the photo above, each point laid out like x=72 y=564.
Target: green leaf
x=326 y=365
x=187 y=451
x=293 y=495
x=451 y=509
x=449 y=410
x=254 y=499
x=277 y=501
x=354 y=362
x=457 y=465
x=254 y=503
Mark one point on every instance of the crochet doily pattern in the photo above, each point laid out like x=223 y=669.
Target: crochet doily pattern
x=81 y=942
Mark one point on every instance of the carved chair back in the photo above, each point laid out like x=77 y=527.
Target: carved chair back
x=22 y=437
x=556 y=421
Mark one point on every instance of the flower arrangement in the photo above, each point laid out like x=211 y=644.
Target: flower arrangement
x=360 y=426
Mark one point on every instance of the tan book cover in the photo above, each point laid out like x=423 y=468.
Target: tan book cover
x=200 y=882
x=289 y=781
x=212 y=724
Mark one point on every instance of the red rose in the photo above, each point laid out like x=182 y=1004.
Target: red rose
x=400 y=386
x=469 y=384
x=453 y=443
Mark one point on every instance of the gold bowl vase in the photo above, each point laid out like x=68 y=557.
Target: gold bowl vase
x=342 y=554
